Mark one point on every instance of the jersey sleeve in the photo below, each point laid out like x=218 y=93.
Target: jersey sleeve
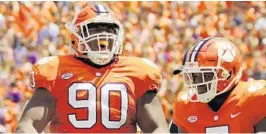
x=44 y=73
x=150 y=80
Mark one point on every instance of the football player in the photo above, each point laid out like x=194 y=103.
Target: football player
x=96 y=90
x=214 y=100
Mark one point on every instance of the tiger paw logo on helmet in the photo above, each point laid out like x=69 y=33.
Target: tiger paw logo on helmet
x=227 y=53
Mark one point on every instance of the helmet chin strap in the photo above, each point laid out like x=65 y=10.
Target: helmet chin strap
x=91 y=63
x=100 y=59
x=207 y=97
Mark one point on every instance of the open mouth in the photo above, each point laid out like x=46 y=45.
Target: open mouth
x=102 y=47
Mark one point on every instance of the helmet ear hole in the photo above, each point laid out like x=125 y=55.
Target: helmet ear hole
x=230 y=74
x=72 y=42
x=225 y=74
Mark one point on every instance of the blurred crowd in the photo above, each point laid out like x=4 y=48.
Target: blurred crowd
x=159 y=31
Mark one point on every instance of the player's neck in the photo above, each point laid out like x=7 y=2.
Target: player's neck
x=219 y=100
x=90 y=63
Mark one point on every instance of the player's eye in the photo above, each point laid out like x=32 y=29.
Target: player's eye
x=208 y=76
x=196 y=77
x=111 y=30
x=93 y=30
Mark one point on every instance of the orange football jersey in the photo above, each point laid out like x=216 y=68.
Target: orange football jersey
x=240 y=112
x=95 y=100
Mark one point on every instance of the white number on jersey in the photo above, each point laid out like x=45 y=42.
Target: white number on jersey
x=91 y=103
x=218 y=129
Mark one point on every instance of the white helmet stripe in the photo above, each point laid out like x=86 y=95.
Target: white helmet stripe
x=197 y=49
x=101 y=9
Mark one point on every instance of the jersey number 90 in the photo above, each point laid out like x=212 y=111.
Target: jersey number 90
x=91 y=104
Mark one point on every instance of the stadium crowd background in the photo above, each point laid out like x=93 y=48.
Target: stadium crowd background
x=159 y=31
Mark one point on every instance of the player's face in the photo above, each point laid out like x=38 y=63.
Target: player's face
x=198 y=78
x=103 y=42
